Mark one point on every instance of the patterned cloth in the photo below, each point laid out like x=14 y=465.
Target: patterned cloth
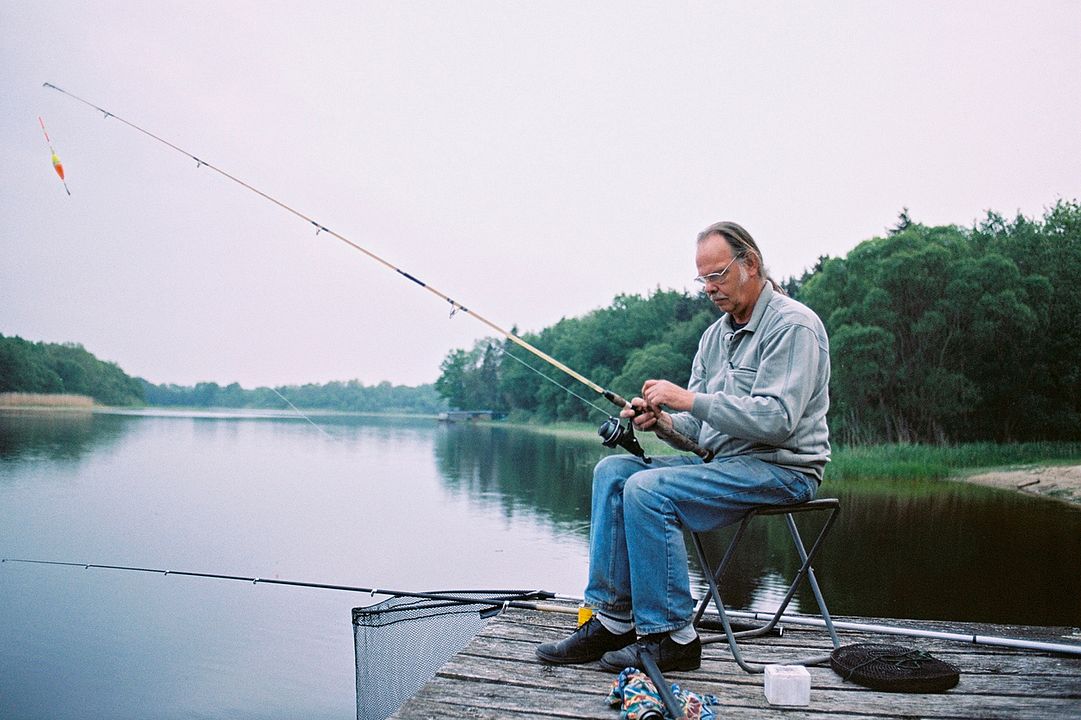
x=637 y=697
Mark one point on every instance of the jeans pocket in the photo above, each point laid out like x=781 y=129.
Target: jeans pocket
x=803 y=488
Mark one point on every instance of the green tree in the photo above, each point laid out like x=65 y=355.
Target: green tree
x=23 y=368
x=942 y=333
x=63 y=368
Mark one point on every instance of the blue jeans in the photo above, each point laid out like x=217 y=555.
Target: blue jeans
x=637 y=557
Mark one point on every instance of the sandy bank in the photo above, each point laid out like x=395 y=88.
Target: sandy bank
x=1058 y=482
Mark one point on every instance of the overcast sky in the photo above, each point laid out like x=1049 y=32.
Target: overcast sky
x=530 y=159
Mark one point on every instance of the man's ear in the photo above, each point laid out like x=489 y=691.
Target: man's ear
x=752 y=264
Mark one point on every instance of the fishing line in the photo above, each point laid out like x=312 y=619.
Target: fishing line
x=298 y=412
x=673 y=438
x=612 y=434
x=566 y=389
x=500 y=598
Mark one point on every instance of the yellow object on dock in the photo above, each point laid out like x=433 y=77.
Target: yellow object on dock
x=584 y=614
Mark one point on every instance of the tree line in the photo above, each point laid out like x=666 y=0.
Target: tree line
x=350 y=396
x=55 y=368
x=938 y=334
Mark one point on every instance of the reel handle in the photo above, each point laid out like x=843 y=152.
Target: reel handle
x=670 y=436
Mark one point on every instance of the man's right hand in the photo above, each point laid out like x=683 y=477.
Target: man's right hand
x=646 y=417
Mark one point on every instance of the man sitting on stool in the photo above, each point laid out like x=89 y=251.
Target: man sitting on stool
x=757 y=397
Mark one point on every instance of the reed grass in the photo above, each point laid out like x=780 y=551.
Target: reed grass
x=936 y=462
x=895 y=461
x=46 y=400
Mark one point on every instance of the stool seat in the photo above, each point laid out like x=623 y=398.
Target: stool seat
x=713 y=577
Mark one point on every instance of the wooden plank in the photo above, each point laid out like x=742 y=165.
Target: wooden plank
x=977 y=675
x=498 y=676
x=966 y=700
x=503 y=700
x=449 y=701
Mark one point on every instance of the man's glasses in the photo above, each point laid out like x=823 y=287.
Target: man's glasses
x=716 y=277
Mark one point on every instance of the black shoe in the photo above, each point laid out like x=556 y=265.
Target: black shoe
x=666 y=652
x=588 y=643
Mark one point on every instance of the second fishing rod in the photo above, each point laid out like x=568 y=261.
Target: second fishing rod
x=612 y=432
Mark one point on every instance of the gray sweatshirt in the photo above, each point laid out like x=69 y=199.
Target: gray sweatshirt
x=763 y=390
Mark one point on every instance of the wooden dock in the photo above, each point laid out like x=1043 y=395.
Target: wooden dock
x=497 y=676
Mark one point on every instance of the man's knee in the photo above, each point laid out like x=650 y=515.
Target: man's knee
x=613 y=470
x=641 y=493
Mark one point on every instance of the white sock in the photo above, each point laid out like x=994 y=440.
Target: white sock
x=684 y=635
x=617 y=626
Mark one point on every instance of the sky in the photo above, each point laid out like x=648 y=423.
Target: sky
x=530 y=160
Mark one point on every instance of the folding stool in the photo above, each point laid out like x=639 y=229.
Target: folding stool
x=806 y=573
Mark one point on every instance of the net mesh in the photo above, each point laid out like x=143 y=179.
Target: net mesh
x=400 y=643
x=893 y=668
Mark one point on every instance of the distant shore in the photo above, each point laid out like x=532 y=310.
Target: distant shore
x=1056 y=476
x=57 y=402
x=24 y=401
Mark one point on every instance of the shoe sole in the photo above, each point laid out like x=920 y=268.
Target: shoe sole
x=563 y=660
x=557 y=660
x=680 y=666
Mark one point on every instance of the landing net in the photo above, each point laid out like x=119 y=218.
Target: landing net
x=401 y=642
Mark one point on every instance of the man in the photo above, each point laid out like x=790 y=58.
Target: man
x=757 y=396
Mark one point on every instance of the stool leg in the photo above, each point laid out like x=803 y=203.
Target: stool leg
x=715 y=593
x=807 y=558
x=806 y=572
x=713 y=577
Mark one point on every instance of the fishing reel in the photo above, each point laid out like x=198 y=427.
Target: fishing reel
x=615 y=435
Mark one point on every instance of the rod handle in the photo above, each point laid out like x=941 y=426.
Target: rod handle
x=682 y=442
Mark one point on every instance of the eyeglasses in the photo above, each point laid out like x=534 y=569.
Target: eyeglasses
x=716 y=277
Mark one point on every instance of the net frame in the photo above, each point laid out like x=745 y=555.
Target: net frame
x=400 y=643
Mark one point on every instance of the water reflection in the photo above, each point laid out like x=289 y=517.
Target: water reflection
x=513 y=467
x=31 y=434
x=395 y=502
x=983 y=555
x=922 y=550
x=907 y=550
x=928 y=550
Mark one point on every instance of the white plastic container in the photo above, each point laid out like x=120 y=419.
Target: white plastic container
x=788 y=685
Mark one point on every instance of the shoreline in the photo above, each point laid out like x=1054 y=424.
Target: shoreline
x=1059 y=481
x=1053 y=482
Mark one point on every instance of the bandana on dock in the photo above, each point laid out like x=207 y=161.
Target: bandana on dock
x=637 y=697
x=893 y=668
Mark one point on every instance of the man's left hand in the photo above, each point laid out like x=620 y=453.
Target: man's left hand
x=658 y=393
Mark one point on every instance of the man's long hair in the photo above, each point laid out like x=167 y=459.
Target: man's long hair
x=742 y=244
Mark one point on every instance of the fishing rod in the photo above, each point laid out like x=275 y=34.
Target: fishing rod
x=612 y=433
x=626 y=435
x=974 y=639
x=502 y=598
x=521 y=599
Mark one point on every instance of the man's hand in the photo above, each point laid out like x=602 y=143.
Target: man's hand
x=645 y=417
x=646 y=411
x=661 y=393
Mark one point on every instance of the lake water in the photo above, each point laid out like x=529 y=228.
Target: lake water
x=393 y=503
